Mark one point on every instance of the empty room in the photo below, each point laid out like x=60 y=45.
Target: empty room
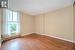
x=37 y=25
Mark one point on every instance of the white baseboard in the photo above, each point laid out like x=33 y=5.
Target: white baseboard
x=51 y=36
x=58 y=38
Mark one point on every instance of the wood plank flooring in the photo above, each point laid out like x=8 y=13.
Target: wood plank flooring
x=37 y=42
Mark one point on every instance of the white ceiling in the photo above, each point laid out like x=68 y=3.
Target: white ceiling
x=35 y=7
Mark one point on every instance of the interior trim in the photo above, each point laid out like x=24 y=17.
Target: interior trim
x=58 y=37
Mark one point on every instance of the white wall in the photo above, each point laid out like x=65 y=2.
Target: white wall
x=0 y=23
x=58 y=23
x=0 y=19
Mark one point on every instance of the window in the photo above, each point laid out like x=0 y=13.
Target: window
x=12 y=24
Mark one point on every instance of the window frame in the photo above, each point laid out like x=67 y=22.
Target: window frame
x=5 y=22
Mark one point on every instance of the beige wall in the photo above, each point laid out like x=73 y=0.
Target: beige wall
x=58 y=23
x=74 y=23
x=26 y=24
x=39 y=24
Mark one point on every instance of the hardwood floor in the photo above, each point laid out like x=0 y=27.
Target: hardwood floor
x=37 y=42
